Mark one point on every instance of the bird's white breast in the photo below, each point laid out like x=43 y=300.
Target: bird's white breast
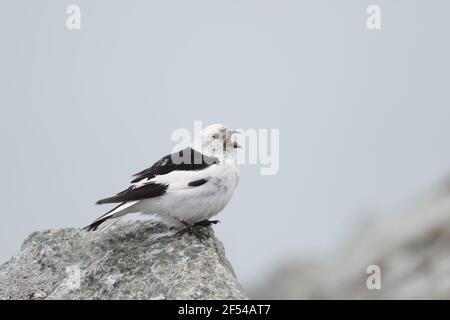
x=193 y=204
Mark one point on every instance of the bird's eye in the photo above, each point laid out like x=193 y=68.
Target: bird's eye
x=216 y=136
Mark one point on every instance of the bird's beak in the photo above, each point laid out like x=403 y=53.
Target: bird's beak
x=230 y=132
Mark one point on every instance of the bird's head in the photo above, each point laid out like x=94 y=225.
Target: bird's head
x=216 y=141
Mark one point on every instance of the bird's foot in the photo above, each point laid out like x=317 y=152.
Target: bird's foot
x=205 y=223
x=194 y=230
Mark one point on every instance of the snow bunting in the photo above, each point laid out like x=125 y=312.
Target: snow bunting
x=184 y=188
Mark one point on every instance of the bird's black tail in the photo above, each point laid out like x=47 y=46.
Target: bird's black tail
x=95 y=225
x=111 y=214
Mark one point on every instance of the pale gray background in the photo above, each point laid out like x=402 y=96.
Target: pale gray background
x=363 y=115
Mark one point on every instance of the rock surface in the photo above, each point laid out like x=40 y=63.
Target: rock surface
x=411 y=247
x=132 y=260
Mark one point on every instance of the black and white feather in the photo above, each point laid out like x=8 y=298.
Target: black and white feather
x=191 y=185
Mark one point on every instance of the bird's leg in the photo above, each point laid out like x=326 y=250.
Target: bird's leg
x=194 y=230
x=205 y=223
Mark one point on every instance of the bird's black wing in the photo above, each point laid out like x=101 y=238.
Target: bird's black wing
x=133 y=193
x=185 y=160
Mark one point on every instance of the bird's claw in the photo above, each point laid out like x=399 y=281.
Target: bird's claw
x=194 y=230
x=206 y=223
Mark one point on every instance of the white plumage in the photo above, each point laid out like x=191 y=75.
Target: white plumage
x=186 y=193
x=193 y=204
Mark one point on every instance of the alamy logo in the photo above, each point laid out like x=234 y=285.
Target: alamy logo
x=257 y=146
x=374 y=19
x=73 y=21
x=373 y=282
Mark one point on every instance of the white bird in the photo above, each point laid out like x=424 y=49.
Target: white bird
x=186 y=188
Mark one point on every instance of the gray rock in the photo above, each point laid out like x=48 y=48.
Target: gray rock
x=132 y=260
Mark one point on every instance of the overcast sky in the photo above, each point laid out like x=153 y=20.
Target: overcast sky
x=363 y=115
